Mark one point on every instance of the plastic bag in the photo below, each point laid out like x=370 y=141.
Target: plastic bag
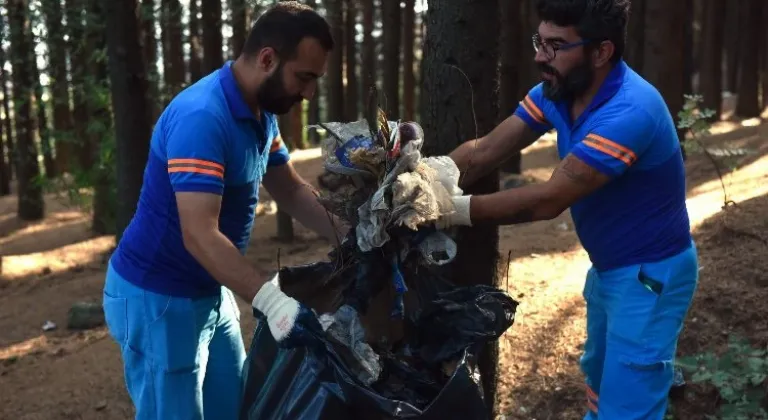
x=418 y=378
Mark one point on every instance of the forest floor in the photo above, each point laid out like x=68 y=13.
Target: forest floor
x=61 y=374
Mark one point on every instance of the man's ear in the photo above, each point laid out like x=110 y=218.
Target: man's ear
x=268 y=60
x=603 y=53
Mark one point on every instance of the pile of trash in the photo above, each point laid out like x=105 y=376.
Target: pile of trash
x=399 y=340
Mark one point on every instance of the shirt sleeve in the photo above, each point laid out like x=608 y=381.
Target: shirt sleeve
x=530 y=110
x=278 y=152
x=196 y=151
x=617 y=140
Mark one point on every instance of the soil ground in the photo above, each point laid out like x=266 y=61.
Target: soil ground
x=60 y=374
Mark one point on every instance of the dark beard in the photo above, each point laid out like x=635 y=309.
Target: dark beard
x=570 y=86
x=272 y=96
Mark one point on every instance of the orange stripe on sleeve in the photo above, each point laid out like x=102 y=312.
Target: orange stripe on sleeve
x=195 y=170
x=206 y=163
x=613 y=145
x=527 y=107
x=597 y=146
x=534 y=108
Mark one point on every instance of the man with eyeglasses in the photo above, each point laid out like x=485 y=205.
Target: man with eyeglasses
x=622 y=177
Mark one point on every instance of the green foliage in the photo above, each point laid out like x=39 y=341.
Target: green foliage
x=739 y=376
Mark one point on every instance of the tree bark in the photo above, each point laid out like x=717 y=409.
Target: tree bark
x=57 y=55
x=80 y=55
x=368 y=55
x=350 y=47
x=173 y=51
x=313 y=108
x=409 y=78
x=213 y=42
x=711 y=63
x=7 y=124
x=634 y=50
x=129 y=101
x=239 y=10
x=663 y=62
x=43 y=130
x=391 y=15
x=31 y=205
x=195 y=43
x=748 y=102
x=447 y=118
x=509 y=71
x=336 y=61
x=149 y=52
x=732 y=40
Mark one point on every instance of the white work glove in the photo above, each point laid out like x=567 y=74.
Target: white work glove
x=460 y=216
x=280 y=309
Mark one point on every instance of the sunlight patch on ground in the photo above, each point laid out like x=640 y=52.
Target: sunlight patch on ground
x=306 y=154
x=52 y=221
x=33 y=345
x=57 y=260
x=748 y=182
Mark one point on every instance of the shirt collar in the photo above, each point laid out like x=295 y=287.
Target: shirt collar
x=237 y=105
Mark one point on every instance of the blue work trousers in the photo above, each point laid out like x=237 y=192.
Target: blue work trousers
x=182 y=358
x=634 y=318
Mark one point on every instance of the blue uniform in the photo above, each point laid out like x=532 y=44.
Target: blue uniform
x=637 y=234
x=177 y=328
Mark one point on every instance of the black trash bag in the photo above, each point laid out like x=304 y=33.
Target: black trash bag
x=322 y=381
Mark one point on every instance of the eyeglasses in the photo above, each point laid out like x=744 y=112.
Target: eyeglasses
x=550 y=51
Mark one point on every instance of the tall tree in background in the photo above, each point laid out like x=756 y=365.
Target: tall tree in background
x=748 y=102
x=462 y=38
x=335 y=98
x=174 y=73
x=213 y=41
x=350 y=49
x=313 y=108
x=634 y=51
x=80 y=52
x=733 y=46
x=31 y=205
x=409 y=78
x=195 y=42
x=43 y=130
x=129 y=100
x=149 y=51
x=7 y=123
x=368 y=71
x=5 y=130
x=663 y=56
x=5 y=178
x=57 y=65
x=391 y=17
x=711 y=58
x=509 y=73
x=240 y=25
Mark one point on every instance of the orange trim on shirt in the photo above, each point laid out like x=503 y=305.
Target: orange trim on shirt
x=277 y=142
x=201 y=162
x=194 y=170
x=611 y=148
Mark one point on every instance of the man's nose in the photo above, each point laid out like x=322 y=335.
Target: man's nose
x=309 y=92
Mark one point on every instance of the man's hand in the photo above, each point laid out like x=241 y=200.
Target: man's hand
x=460 y=216
x=290 y=323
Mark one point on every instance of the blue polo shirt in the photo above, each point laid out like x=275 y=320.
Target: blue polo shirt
x=207 y=140
x=627 y=133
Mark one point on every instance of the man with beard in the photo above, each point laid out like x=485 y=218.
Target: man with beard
x=622 y=176
x=167 y=297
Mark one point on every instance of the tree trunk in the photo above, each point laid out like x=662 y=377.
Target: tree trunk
x=634 y=50
x=350 y=47
x=173 y=48
x=104 y=203
x=336 y=61
x=509 y=74
x=391 y=15
x=711 y=63
x=732 y=39
x=747 y=104
x=663 y=62
x=689 y=48
x=447 y=118
x=5 y=179
x=369 y=53
x=129 y=100
x=313 y=108
x=149 y=52
x=764 y=50
x=239 y=25
x=80 y=55
x=213 y=42
x=195 y=48
x=409 y=78
x=57 y=56
x=284 y=228
x=7 y=124
x=31 y=205
x=43 y=130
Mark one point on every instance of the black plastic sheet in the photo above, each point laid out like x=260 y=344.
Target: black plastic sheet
x=428 y=364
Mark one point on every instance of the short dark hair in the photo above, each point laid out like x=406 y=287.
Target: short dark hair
x=595 y=20
x=283 y=26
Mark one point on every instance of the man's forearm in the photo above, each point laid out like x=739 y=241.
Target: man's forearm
x=302 y=204
x=225 y=263
x=517 y=205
